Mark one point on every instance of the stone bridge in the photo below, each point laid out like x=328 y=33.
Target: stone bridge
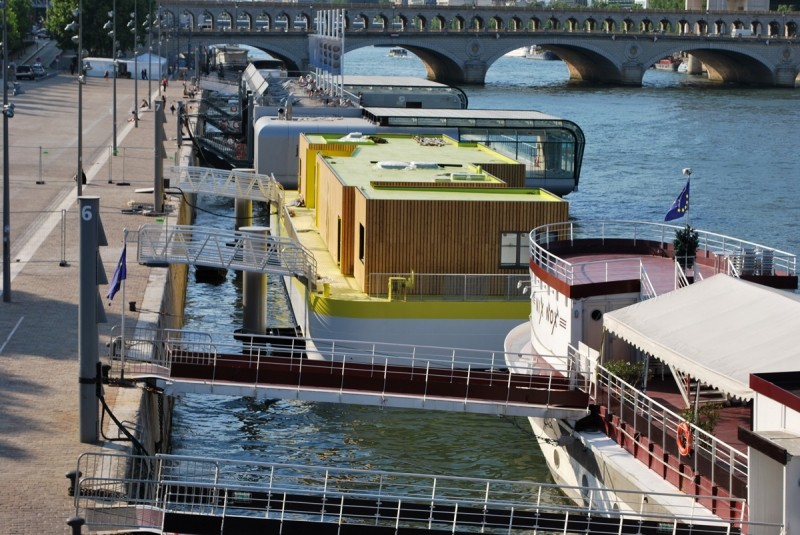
x=458 y=44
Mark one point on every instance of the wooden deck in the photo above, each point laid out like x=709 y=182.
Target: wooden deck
x=598 y=268
x=731 y=416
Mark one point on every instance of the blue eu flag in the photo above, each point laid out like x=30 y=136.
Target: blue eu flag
x=680 y=206
x=120 y=274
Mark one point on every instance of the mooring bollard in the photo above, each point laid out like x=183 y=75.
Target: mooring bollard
x=73 y=476
x=76 y=522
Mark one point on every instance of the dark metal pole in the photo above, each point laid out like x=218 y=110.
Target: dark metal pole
x=114 y=63
x=6 y=200
x=135 y=65
x=158 y=184
x=81 y=81
x=88 y=412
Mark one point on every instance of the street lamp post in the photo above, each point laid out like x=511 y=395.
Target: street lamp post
x=133 y=26
x=148 y=28
x=8 y=112
x=113 y=33
x=72 y=26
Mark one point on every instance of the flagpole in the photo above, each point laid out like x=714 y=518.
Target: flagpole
x=688 y=172
x=122 y=322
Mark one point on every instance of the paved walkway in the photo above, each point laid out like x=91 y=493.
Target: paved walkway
x=39 y=434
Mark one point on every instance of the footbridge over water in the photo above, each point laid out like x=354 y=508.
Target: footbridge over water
x=343 y=371
x=458 y=44
x=118 y=493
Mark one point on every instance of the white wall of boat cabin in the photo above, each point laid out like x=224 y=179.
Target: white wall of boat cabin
x=771 y=415
x=765 y=489
x=774 y=488
x=557 y=321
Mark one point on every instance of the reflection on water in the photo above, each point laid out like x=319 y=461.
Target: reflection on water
x=740 y=144
x=288 y=431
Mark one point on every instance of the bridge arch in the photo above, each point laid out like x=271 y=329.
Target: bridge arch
x=477 y=24
x=496 y=24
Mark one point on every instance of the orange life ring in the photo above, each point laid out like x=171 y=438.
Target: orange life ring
x=684 y=438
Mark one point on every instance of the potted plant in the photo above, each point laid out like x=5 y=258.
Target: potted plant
x=630 y=372
x=707 y=416
x=686 y=242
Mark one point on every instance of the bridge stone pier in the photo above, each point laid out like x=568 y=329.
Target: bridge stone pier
x=458 y=44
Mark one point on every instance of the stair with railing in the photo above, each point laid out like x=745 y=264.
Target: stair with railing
x=694 y=392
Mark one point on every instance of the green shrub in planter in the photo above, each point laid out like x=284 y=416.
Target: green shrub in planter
x=686 y=243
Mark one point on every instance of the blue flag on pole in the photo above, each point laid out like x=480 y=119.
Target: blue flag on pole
x=680 y=206
x=120 y=274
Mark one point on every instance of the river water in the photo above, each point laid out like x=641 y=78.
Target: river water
x=741 y=145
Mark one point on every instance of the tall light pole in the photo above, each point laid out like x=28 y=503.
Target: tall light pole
x=148 y=28
x=133 y=26
x=8 y=112
x=71 y=27
x=112 y=24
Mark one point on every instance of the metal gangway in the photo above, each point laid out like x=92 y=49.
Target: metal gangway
x=189 y=495
x=236 y=183
x=229 y=249
x=344 y=371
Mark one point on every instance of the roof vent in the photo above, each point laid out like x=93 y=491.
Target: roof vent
x=423 y=165
x=390 y=164
x=356 y=137
x=467 y=176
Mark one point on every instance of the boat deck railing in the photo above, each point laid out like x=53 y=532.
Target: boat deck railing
x=654 y=427
x=118 y=492
x=453 y=286
x=742 y=257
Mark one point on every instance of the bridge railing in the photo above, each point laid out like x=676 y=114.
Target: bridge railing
x=471 y=377
x=235 y=184
x=128 y=492
x=243 y=251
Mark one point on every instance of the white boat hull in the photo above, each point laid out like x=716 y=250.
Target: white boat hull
x=479 y=326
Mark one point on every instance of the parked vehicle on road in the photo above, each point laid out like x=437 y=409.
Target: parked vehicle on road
x=25 y=72
x=38 y=70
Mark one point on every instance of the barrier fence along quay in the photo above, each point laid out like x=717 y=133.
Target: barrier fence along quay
x=168 y=492
x=46 y=165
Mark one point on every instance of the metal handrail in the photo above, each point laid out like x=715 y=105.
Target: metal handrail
x=467 y=380
x=725 y=246
x=229 y=249
x=118 y=491
x=632 y=404
x=458 y=286
x=236 y=183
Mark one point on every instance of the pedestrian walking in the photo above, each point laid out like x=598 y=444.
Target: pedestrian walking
x=163 y=102
x=164 y=84
x=172 y=108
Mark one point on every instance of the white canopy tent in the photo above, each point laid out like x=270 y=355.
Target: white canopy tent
x=150 y=62
x=719 y=331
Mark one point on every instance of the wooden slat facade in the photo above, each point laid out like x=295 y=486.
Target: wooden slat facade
x=443 y=236
x=400 y=235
